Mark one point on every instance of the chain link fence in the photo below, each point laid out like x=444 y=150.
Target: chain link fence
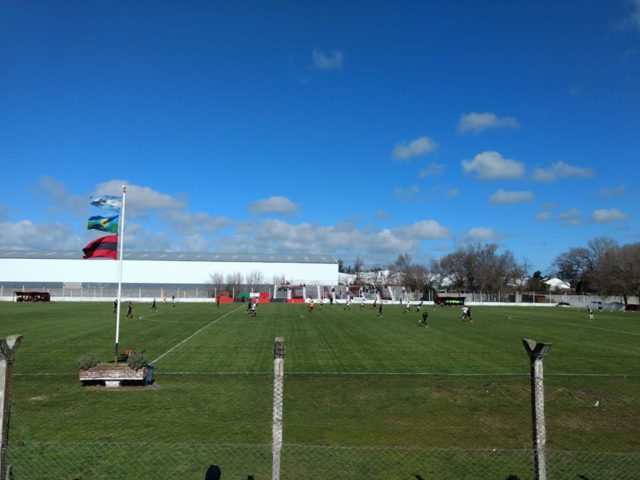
x=144 y=461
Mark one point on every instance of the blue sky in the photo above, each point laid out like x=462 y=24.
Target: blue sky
x=364 y=129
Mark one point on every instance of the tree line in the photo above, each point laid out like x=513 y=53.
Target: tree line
x=602 y=267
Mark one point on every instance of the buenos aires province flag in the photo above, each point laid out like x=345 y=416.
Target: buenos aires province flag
x=105 y=224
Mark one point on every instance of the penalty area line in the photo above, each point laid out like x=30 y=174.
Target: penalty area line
x=190 y=337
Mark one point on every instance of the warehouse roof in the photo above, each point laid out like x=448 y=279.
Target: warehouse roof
x=178 y=256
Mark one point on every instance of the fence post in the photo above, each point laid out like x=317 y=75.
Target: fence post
x=278 y=388
x=537 y=352
x=7 y=352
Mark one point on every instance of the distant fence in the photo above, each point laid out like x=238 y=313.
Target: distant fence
x=204 y=293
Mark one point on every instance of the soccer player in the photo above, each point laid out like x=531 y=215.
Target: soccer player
x=407 y=307
x=130 y=309
x=425 y=319
x=380 y=308
x=254 y=308
x=590 y=310
x=115 y=306
x=153 y=306
x=361 y=302
x=418 y=306
x=311 y=305
x=348 y=305
x=173 y=300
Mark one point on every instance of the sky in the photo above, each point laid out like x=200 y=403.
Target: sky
x=355 y=129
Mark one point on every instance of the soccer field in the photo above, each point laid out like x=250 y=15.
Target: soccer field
x=365 y=396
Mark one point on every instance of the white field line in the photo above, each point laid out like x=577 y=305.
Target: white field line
x=593 y=327
x=190 y=337
x=604 y=329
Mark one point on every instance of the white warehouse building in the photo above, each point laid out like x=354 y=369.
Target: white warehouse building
x=163 y=268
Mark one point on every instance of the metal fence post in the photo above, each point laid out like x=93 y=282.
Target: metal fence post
x=537 y=352
x=278 y=387
x=7 y=353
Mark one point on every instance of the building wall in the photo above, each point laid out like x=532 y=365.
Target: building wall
x=158 y=272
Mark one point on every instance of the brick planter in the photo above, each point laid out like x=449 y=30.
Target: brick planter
x=112 y=375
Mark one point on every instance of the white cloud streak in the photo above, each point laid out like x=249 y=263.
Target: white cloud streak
x=408 y=194
x=604 y=215
x=480 y=234
x=275 y=204
x=491 y=165
x=504 y=197
x=561 y=170
x=478 y=122
x=570 y=217
x=415 y=148
x=432 y=170
x=617 y=191
x=328 y=61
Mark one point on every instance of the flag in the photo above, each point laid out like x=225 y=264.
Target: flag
x=102 y=247
x=110 y=202
x=106 y=224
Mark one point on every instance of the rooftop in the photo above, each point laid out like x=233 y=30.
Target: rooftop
x=178 y=256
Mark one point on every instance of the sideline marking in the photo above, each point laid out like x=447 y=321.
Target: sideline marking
x=197 y=332
x=603 y=329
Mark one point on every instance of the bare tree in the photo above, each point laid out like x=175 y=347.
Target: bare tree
x=580 y=265
x=216 y=280
x=234 y=280
x=618 y=271
x=255 y=278
x=478 y=268
x=358 y=265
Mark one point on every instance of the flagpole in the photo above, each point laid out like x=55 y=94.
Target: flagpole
x=120 y=252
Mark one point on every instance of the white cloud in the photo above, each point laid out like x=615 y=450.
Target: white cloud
x=59 y=199
x=414 y=148
x=139 y=198
x=543 y=216
x=432 y=170
x=424 y=230
x=480 y=234
x=612 y=192
x=328 y=61
x=570 y=217
x=187 y=223
x=453 y=193
x=276 y=204
x=491 y=165
x=604 y=215
x=277 y=236
x=408 y=194
x=478 y=122
x=560 y=170
x=502 y=197
x=633 y=19
x=26 y=235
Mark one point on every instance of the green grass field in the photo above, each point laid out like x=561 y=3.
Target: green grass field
x=365 y=396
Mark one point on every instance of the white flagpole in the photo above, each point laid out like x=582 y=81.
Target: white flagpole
x=120 y=252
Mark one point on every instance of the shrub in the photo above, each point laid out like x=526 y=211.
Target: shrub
x=88 y=361
x=137 y=360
